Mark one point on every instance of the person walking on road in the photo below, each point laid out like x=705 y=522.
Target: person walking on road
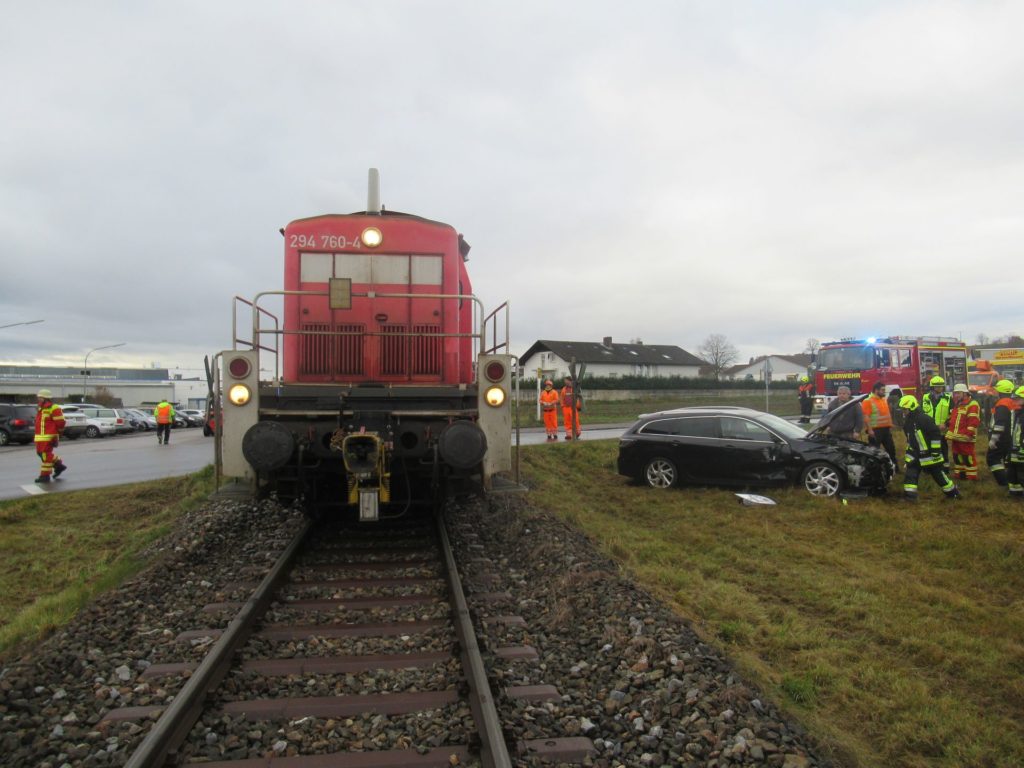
x=806 y=394
x=549 y=409
x=999 y=431
x=164 y=413
x=962 y=432
x=878 y=421
x=49 y=428
x=924 y=451
x=570 y=410
x=936 y=404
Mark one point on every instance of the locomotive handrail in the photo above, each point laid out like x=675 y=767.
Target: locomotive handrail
x=483 y=330
x=479 y=321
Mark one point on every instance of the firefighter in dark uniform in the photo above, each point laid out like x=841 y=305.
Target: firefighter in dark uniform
x=1015 y=459
x=924 y=451
x=806 y=394
x=936 y=403
x=999 y=431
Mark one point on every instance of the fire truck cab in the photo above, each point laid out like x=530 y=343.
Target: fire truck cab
x=904 y=363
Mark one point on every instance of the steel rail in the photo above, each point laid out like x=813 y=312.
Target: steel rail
x=493 y=750
x=177 y=720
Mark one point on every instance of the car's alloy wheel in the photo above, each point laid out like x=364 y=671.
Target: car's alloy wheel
x=821 y=479
x=5 y=439
x=92 y=431
x=660 y=473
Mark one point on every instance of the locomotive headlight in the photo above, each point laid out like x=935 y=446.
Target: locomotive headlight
x=239 y=394
x=371 y=237
x=495 y=397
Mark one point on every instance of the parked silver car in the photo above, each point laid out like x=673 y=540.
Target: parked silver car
x=102 y=421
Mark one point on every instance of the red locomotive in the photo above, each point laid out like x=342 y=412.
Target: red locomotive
x=389 y=379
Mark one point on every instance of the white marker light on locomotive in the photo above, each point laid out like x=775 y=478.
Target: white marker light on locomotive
x=371 y=237
x=239 y=394
x=495 y=397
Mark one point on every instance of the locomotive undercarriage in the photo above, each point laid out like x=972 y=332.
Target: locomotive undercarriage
x=375 y=449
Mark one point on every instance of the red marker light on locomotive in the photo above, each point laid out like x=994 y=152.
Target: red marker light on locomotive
x=495 y=371
x=239 y=367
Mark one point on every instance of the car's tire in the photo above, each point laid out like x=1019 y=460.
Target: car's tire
x=70 y=437
x=820 y=478
x=92 y=431
x=5 y=438
x=660 y=472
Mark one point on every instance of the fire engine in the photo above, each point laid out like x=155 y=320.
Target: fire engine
x=903 y=363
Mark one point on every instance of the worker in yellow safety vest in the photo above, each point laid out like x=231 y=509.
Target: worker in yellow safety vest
x=164 y=413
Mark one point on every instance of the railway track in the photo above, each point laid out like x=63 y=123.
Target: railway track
x=359 y=648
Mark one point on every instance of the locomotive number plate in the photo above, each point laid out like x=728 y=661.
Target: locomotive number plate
x=326 y=242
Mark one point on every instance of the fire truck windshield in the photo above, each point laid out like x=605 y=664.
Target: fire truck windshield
x=846 y=358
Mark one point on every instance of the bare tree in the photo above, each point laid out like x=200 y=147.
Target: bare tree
x=982 y=339
x=812 y=346
x=718 y=353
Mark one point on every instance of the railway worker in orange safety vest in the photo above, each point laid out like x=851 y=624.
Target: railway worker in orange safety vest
x=164 y=413
x=806 y=394
x=549 y=409
x=999 y=431
x=878 y=420
x=962 y=431
x=570 y=409
x=49 y=428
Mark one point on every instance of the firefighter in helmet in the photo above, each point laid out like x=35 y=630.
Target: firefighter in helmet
x=49 y=428
x=999 y=430
x=936 y=404
x=806 y=394
x=1015 y=462
x=962 y=432
x=924 y=451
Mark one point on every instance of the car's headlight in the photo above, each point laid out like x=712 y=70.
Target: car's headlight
x=495 y=397
x=239 y=394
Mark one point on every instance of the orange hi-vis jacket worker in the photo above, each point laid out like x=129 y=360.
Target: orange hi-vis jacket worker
x=570 y=409
x=164 y=413
x=549 y=409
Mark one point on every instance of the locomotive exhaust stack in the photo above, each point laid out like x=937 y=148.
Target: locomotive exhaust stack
x=373 y=192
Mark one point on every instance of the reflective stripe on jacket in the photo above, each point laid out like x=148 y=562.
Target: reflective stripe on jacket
x=964 y=421
x=49 y=423
x=876 y=411
x=939 y=411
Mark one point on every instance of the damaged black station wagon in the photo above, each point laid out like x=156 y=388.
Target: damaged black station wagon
x=741 y=447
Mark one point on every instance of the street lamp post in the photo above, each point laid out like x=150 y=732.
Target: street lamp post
x=85 y=367
x=27 y=322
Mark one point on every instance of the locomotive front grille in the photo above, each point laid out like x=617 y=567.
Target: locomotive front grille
x=426 y=351
x=418 y=354
x=323 y=354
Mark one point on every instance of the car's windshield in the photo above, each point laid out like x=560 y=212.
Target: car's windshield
x=845 y=358
x=781 y=426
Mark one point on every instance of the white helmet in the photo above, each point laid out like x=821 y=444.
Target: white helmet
x=45 y=394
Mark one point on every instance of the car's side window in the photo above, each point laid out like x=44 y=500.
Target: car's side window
x=742 y=429
x=703 y=426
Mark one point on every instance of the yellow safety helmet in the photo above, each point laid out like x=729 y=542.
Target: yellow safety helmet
x=1004 y=387
x=937 y=381
x=909 y=402
x=804 y=379
x=1019 y=392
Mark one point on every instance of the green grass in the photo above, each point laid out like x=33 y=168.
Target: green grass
x=613 y=411
x=895 y=632
x=62 y=549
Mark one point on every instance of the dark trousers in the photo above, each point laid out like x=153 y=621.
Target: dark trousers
x=935 y=469
x=163 y=433
x=805 y=409
x=996 y=458
x=883 y=437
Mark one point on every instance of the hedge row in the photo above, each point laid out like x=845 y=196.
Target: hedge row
x=667 y=382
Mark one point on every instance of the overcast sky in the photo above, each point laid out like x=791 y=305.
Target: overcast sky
x=654 y=170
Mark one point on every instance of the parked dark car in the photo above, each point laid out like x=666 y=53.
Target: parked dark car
x=17 y=423
x=727 y=446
